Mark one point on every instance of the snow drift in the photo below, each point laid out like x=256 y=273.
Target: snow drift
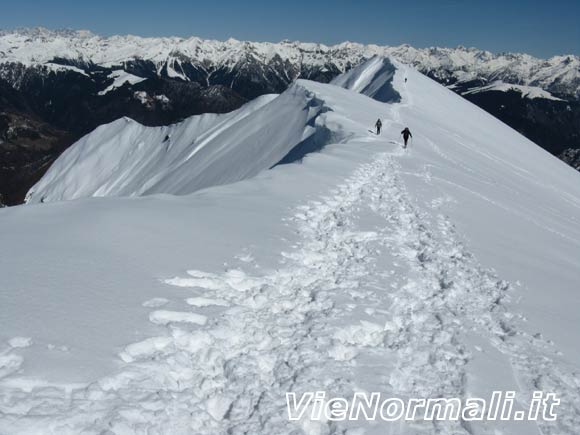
x=445 y=270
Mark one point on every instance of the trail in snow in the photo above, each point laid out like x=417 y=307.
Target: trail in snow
x=448 y=295
x=233 y=373
x=226 y=365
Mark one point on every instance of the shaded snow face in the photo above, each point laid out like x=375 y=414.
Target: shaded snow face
x=373 y=78
x=125 y=158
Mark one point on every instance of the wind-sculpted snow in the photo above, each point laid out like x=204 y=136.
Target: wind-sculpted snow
x=444 y=270
x=125 y=158
x=373 y=78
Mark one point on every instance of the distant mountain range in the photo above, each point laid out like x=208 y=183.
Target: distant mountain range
x=56 y=86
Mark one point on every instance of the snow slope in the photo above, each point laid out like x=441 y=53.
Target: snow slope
x=125 y=158
x=372 y=78
x=447 y=269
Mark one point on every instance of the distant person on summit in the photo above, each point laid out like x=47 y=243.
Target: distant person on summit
x=378 y=125
x=406 y=135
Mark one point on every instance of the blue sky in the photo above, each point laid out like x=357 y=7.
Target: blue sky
x=541 y=28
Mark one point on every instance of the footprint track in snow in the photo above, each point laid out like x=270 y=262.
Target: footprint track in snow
x=283 y=330
x=451 y=293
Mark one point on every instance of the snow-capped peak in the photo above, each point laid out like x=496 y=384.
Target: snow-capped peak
x=558 y=75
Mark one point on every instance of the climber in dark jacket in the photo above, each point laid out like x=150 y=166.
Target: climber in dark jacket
x=378 y=125
x=406 y=135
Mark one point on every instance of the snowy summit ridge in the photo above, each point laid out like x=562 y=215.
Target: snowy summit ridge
x=125 y=158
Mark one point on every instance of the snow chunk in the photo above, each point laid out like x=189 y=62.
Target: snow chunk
x=206 y=302
x=9 y=364
x=218 y=407
x=163 y=317
x=145 y=349
x=208 y=281
x=20 y=342
x=363 y=334
x=155 y=302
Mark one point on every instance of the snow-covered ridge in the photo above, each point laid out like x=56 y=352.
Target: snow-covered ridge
x=559 y=75
x=125 y=158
